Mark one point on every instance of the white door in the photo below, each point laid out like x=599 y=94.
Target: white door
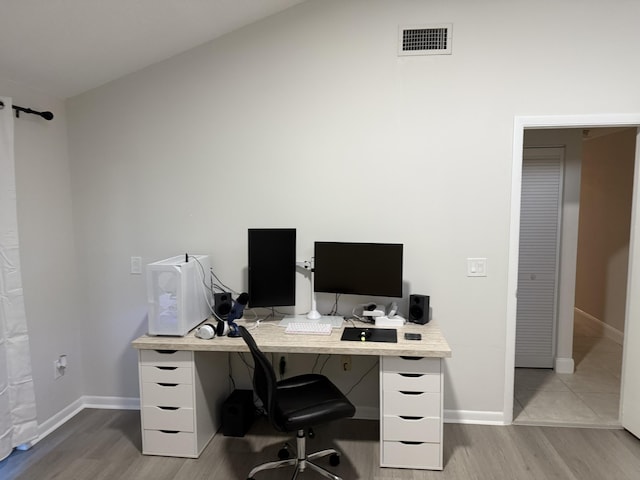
x=538 y=263
x=630 y=394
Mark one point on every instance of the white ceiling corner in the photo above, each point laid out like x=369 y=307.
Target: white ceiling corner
x=66 y=47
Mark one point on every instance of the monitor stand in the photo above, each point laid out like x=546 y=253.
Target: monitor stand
x=313 y=316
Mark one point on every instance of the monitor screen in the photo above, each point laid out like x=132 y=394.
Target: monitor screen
x=358 y=268
x=272 y=267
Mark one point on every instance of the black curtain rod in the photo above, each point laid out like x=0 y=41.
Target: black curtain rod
x=45 y=115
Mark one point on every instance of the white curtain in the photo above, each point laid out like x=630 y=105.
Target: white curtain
x=17 y=399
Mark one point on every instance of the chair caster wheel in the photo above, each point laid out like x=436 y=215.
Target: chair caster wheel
x=283 y=454
x=334 y=460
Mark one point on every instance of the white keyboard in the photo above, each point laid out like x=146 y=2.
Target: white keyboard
x=308 y=328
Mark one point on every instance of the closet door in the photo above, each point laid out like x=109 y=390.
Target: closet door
x=539 y=257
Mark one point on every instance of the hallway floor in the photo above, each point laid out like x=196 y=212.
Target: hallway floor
x=589 y=397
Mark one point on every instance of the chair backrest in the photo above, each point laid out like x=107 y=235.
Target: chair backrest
x=264 y=377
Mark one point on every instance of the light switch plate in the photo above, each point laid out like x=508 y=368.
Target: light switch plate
x=476 y=267
x=136 y=265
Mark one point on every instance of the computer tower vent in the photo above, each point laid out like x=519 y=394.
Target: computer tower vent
x=425 y=40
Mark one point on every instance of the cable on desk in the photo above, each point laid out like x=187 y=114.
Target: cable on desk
x=325 y=362
x=227 y=289
x=244 y=360
x=315 y=363
x=334 y=309
x=233 y=383
x=361 y=378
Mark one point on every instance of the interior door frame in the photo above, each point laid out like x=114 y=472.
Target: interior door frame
x=549 y=122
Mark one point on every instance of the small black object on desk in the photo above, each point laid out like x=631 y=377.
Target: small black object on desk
x=236 y=312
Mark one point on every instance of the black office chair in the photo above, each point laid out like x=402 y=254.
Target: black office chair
x=297 y=404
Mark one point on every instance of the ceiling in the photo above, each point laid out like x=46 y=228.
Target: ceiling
x=66 y=47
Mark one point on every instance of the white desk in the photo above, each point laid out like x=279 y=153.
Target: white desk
x=183 y=382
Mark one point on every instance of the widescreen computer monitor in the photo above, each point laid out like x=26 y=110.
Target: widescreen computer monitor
x=272 y=267
x=358 y=268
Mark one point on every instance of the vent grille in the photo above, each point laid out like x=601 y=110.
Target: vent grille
x=425 y=40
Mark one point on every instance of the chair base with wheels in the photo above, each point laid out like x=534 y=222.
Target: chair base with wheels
x=302 y=460
x=294 y=405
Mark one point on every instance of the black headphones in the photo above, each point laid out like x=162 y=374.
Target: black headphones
x=225 y=306
x=222 y=328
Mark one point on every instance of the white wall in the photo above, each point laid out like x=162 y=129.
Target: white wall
x=606 y=199
x=47 y=251
x=309 y=119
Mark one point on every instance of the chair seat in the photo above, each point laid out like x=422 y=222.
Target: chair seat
x=308 y=400
x=296 y=404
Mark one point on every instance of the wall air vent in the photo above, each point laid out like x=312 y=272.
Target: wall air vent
x=425 y=40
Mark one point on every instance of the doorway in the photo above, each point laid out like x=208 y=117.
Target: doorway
x=591 y=395
x=522 y=123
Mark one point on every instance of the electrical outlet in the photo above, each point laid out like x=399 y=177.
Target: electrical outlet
x=56 y=371
x=282 y=364
x=346 y=363
x=59 y=367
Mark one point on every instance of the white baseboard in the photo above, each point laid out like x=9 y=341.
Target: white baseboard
x=126 y=403
x=564 y=365
x=59 y=419
x=606 y=330
x=115 y=403
x=474 y=417
x=67 y=413
x=450 y=416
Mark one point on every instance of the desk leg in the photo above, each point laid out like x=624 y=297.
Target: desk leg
x=181 y=393
x=411 y=412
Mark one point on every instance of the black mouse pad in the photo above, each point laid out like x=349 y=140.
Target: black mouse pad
x=389 y=335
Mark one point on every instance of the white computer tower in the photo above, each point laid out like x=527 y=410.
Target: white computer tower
x=177 y=294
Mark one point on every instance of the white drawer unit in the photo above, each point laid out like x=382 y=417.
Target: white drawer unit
x=166 y=374
x=411 y=403
x=168 y=443
x=181 y=393
x=169 y=418
x=418 y=455
x=411 y=412
x=411 y=429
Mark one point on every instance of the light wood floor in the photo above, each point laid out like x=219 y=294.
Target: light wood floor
x=105 y=444
x=588 y=397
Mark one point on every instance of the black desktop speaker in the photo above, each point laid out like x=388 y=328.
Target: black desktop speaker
x=237 y=413
x=222 y=303
x=419 y=309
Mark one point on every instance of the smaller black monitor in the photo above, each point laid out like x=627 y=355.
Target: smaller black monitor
x=272 y=267
x=358 y=268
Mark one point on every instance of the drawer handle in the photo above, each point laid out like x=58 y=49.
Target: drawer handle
x=411 y=375
x=411 y=443
x=168 y=408
x=411 y=418
x=167 y=368
x=166 y=352
x=172 y=432
x=411 y=393
x=168 y=384
x=412 y=358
